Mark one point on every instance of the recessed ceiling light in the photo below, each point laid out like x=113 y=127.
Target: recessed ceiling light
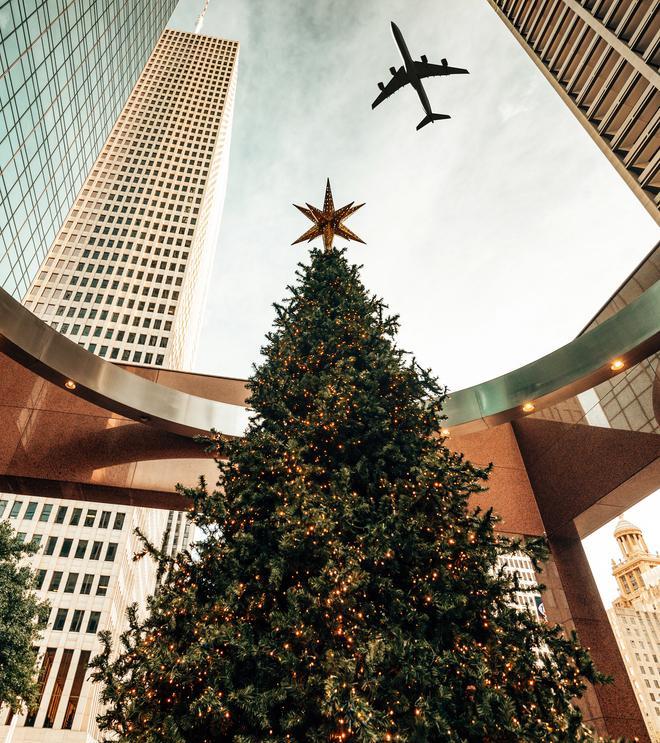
x=617 y=364
x=70 y=384
x=528 y=407
x=444 y=432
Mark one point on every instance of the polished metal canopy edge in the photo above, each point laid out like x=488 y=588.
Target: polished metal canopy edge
x=631 y=335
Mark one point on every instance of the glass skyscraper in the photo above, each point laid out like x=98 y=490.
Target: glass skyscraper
x=66 y=70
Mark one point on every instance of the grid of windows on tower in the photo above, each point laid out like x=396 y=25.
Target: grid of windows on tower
x=66 y=69
x=113 y=278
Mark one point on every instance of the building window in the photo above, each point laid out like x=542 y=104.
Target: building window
x=104 y=520
x=90 y=517
x=81 y=548
x=66 y=547
x=76 y=620
x=15 y=509
x=30 y=510
x=39 y=580
x=95 y=554
x=61 y=513
x=102 y=587
x=3 y=506
x=119 y=520
x=55 y=580
x=60 y=680
x=71 y=581
x=60 y=619
x=75 y=517
x=76 y=686
x=44 y=673
x=50 y=545
x=111 y=552
x=45 y=512
x=93 y=623
x=86 y=586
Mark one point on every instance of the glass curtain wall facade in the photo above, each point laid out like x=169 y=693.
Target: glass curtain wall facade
x=602 y=57
x=66 y=70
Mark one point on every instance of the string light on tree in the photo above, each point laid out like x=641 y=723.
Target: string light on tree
x=344 y=589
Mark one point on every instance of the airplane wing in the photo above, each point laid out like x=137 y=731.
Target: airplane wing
x=399 y=79
x=426 y=69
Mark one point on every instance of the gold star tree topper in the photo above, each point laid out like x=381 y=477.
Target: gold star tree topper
x=329 y=222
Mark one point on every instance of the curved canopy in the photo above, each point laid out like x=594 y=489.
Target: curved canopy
x=629 y=336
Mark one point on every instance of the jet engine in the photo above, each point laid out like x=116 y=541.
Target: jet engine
x=424 y=58
x=381 y=86
x=444 y=62
x=392 y=70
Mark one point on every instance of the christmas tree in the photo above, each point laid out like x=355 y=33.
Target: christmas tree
x=344 y=589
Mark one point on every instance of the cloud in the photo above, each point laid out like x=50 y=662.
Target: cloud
x=494 y=235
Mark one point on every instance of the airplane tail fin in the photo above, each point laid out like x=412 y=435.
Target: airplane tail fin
x=431 y=117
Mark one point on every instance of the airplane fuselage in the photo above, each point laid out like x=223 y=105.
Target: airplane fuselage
x=410 y=68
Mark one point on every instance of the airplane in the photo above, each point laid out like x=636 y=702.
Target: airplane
x=412 y=72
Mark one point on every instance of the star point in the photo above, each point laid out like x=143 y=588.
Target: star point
x=329 y=221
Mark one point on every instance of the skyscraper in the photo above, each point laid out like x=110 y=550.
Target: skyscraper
x=635 y=619
x=126 y=277
x=127 y=274
x=66 y=69
x=602 y=57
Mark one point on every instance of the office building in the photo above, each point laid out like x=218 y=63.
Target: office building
x=635 y=619
x=126 y=277
x=602 y=57
x=127 y=274
x=628 y=401
x=66 y=69
x=85 y=569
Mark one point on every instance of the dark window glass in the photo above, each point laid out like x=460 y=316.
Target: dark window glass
x=61 y=513
x=55 y=581
x=75 y=516
x=119 y=520
x=81 y=548
x=71 y=581
x=39 y=581
x=86 y=585
x=102 y=587
x=104 y=520
x=66 y=547
x=90 y=517
x=30 y=510
x=60 y=680
x=93 y=623
x=3 y=506
x=50 y=545
x=45 y=512
x=76 y=686
x=95 y=554
x=76 y=620
x=111 y=552
x=36 y=539
x=44 y=672
x=15 y=509
x=60 y=619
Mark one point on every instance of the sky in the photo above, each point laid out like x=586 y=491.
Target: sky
x=495 y=235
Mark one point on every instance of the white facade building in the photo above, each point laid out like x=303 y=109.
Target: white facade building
x=635 y=620
x=127 y=275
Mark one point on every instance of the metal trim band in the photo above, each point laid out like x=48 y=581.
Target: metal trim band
x=631 y=335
